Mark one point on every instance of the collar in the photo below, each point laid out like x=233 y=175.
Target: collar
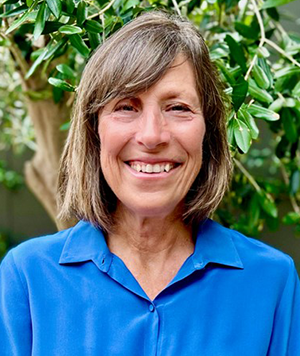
x=86 y=243
x=214 y=244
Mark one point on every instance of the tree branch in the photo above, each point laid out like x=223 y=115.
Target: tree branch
x=109 y=5
x=176 y=7
x=15 y=51
x=286 y=180
x=281 y=51
x=247 y=175
x=262 y=38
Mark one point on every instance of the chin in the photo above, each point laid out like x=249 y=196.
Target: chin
x=152 y=210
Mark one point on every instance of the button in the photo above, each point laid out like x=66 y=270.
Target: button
x=199 y=265
x=151 y=307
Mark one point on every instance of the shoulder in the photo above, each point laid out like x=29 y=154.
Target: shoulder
x=37 y=249
x=258 y=256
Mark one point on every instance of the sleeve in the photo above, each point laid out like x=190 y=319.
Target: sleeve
x=285 y=339
x=15 y=323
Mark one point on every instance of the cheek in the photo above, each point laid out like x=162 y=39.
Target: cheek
x=110 y=141
x=192 y=139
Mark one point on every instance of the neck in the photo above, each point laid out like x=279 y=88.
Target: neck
x=152 y=248
x=149 y=238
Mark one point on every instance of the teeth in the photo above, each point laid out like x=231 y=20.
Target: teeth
x=156 y=168
x=149 y=168
x=152 y=168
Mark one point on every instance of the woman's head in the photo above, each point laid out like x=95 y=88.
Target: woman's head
x=129 y=63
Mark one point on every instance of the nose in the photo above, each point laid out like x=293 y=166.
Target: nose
x=153 y=130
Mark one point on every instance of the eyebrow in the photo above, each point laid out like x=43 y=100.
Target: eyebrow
x=173 y=94
x=169 y=95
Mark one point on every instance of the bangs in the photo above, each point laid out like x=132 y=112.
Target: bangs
x=136 y=63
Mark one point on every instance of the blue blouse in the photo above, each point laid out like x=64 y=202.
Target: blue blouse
x=67 y=294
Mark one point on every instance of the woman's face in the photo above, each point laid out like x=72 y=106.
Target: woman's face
x=151 y=144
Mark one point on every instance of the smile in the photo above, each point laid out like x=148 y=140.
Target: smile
x=152 y=168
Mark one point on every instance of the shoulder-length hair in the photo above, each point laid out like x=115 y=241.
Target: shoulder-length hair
x=129 y=62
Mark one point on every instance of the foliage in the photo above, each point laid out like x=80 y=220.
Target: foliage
x=257 y=59
x=10 y=179
x=16 y=130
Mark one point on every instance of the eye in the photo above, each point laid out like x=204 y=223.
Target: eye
x=179 y=108
x=124 y=107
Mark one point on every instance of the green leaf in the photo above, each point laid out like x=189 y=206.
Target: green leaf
x=92 y=26
x=274 y=3
x=18 y=22
x=40 y=21
x=242 y=135
x=258 y=93
x=273 y=13
x=267 y=204
x=248 y=119
x=36 y=63
x=52 y=26
x=67 y=71
x=246 y=31
x=54 y=48
x=262 y=52
x=254 y=211
x=286 y=72
x=289 y=125
x=260 y=77
x=94 y=39
x=228 y=76
x=266 y=68
x=61 y=84
x=129 y=4
x=289 y=103
x=230 y=132
x=78 y=43
x=295 y=182
x=81 y=13
x=296 y=90
x=16 y=11
x=277 y=104
x=26 y=15
x=55 y=7
x=65 y=126
x=236 y=52
x=69 y=29
x=70 y=4
x=263 y=113
x=38 y=95
x=291 y=218
x=239 y=93
x=218 y=52
x=58 y=94
x=34 y=55
x=9 y=2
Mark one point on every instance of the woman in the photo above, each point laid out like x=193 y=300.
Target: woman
x=145 y=272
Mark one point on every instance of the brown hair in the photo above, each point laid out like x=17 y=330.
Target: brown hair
x=129 y=62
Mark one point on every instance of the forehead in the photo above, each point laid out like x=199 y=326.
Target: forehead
x=178 y=81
